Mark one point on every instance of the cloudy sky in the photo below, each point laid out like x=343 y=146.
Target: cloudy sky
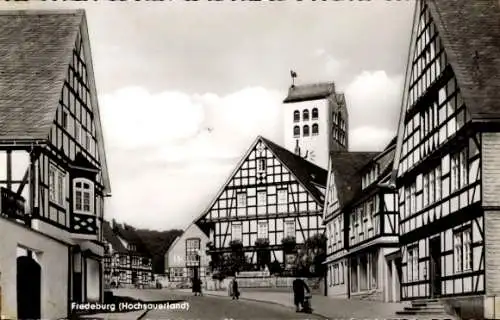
x=167 y=71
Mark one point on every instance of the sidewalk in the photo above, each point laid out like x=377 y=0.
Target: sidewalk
x=323 y=306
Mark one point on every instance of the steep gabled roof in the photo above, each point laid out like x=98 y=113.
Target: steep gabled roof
x=129 y=235
x=306 y=173
x=470 y=32
x=309 y=92
x=346 y=168
x=110 y=236
x=36 y=48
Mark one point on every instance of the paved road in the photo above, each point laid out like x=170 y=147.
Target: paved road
x=223 y=308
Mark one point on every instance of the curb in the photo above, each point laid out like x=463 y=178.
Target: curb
x=143 y=314
x=269 y=302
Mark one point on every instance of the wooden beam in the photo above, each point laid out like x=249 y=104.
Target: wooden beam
x=23 y=182
x=9 y=169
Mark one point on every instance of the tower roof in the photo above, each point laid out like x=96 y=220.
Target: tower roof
x=310 y=92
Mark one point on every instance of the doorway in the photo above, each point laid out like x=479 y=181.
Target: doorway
x=29 y=288
x=435 y=266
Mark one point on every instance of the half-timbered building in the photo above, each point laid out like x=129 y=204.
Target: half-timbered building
x=187 y=257
x=343 y=183
x=127 y=260
x=54 y=178
x=372 y=235
x=446 y=166
x=271 y=195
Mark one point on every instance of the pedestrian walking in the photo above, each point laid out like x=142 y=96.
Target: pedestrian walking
x=300 y=287
x=234 y=291
x=196 y=286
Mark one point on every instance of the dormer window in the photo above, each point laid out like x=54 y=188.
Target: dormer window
x=305 y=115
x=296 y=116
x=315 y=113
x=83 y=196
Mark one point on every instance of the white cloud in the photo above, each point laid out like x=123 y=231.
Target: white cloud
x=373 y=102
x=370 y=138
x=170 y=152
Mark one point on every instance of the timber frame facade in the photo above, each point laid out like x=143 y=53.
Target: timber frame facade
x=361 y=220
x=446 y=162
x=127 y=262
x=272 y=194
x=55 y=177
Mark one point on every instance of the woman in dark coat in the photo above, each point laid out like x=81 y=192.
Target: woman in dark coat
x=196 y=286
x=235 y=292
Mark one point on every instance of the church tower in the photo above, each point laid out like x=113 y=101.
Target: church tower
x=316 y=121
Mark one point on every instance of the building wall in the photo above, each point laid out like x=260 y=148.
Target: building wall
x=337 y=279
x=53 y=258
x=319 y=144
x=491 y=191
x=176 y=255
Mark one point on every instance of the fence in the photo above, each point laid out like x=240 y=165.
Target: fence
x=263 y=282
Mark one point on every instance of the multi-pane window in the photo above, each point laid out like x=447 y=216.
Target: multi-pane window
x=412 y=264
x=289 y=228
x=296 y=116
x=305 y=115
x=282 y=200
x=315 y=113
x=296 y=131
x=236 y=232
x=262 y=230
x=462 y=250
x=458 y=170
x=241 y=199
x=83 y=196
x=332 y=194
x=56 y=185
x=64 y=121
x=193 y=247
x=315 y=129
x=305 y=131
x=261 y=165
x=261 y=198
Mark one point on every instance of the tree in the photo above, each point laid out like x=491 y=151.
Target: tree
x=275 y=267
x=311 y=256
x=289 y=245
x=237 y=257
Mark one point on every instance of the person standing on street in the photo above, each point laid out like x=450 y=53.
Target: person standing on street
x=299 y=289
x=235 y=292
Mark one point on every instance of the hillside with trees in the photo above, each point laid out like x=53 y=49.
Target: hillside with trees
x=157 y=243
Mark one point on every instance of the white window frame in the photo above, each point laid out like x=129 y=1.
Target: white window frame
x=261 y=198
x=239 y=234
x=261 y=165
x=91 y=194
x=262 y=230
x=57 y=182
x=289 y=228
x=241 y=199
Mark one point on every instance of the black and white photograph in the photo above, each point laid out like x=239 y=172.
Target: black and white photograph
x=250 y=160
